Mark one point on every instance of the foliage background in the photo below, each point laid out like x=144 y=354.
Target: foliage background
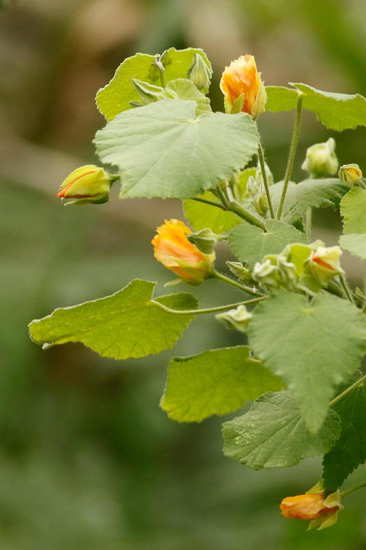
x=87 y=459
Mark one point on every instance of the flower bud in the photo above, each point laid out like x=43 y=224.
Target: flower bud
x=350 y=174
x=324 y=263
x=237 y=318
x=275 y=272
x=239 y=271
x=88 y=183
x=173 y=249
x=321 y=511
x=149 y=92
x=321 y=159
x=204 y=239
x=200 y=74
x=243 y=88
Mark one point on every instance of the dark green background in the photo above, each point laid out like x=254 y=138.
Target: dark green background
x=87 y=458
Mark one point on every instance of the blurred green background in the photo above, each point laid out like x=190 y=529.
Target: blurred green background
x=87 y=458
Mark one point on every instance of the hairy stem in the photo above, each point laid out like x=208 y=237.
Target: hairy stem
x=292 y=153
x=232 y=282
x=348 y=390
x=207 y=309
x=265 y=180
x=352 y=489
x=308 y=222
x=346 y=288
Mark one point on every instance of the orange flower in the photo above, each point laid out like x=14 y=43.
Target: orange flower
x=173 y=249
x=309 y=507
x=243 y=88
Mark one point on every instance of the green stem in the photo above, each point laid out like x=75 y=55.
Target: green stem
x=308 y=222
x=210 y=203
x=242 y=212
x=292 y=153
x=208 y=309
x=355 y=488
x=265 y=181
x=346 y=288
x=347 y=390
x=232 y=282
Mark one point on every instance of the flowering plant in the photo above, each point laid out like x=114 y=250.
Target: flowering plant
x=303 y=325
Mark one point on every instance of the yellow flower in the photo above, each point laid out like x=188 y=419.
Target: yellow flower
x=88 y=183
x=243 y=88
x=173 y=249
x=308 y=507
x=324 y=263
x=350 y=174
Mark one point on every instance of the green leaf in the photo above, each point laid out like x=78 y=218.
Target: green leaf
x=355 y=243
x=177 y=63
x=314 y=346
x=250 y=244
x=335 y=111
x=280 y=98
x=118 y=94
x=353 y=211
x=218 y=381
x=350 y=449
x=272 y=434
x=185 y=89
x=124 y=325
x=163 y=151
x=202 y=215
x=315 y=193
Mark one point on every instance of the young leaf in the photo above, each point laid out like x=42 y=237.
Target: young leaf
x=350 y=450
x=163 y=151
x=185 y=89
x=353 y=209
x=177 y=63
x=316 y=193
x=250 y=244
x=335 y=111
x=118 y=94
x=313 y=346
x=124 y=325
x=272 y=434
x=218 y=381
x=202 y=215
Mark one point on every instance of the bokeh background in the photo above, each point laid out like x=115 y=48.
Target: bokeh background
x=87 y=458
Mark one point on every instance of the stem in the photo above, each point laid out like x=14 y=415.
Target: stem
x=265 y=181
x=242 y=212
x=232 y=282
x=208 y=309
x=292 y=153
x=308 y=223
x=355 y=488
x=347 y=390
x=210 y=203
x=346 y=288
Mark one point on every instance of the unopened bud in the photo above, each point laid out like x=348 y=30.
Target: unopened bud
x=239 y=271
x=150 y=93
x=238 y=318
x=350 y=174
x=205 y=240
x=88 y=183
x=324 y=263
x=275 y=272
x=321 y=159
x=200 y=73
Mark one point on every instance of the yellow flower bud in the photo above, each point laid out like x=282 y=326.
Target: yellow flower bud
x=350 y=174
x=324 y=263
x=321 y=159
x=173 y=249
x=308 y=507
x=243 y=87
x=88 y=183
